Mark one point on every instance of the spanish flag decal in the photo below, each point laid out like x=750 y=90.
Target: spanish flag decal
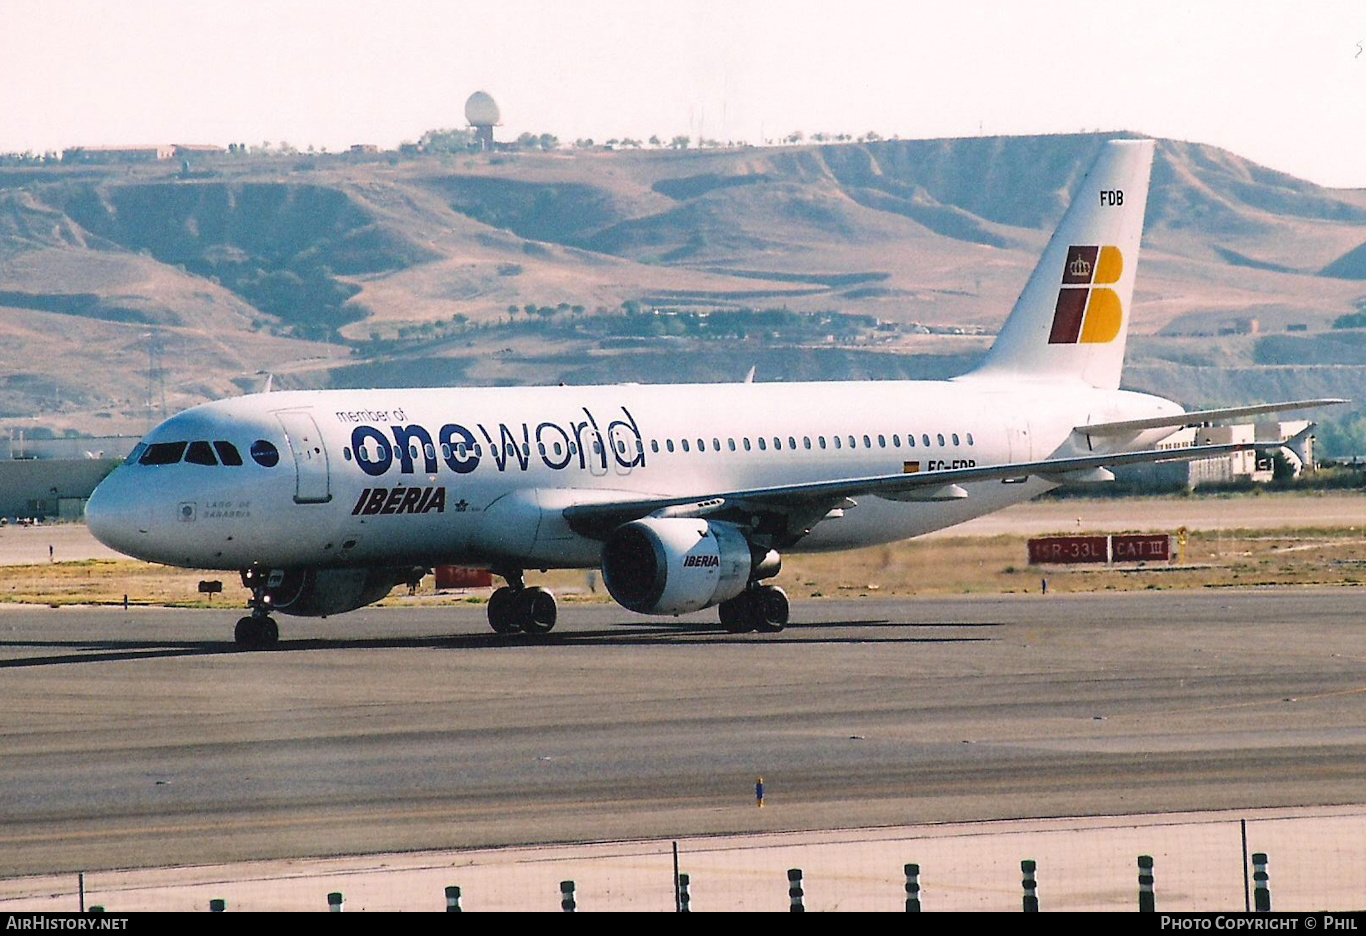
x=1088 y=311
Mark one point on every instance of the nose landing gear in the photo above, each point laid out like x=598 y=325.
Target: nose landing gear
x=259 y=631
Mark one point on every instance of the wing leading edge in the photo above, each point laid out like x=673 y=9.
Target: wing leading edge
x=809 y=502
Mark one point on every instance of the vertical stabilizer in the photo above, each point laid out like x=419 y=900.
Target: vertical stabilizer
x=1072 y=319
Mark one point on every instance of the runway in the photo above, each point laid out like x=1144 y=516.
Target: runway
x=143 y=738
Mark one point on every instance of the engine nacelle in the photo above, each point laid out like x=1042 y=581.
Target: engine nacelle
x=320 y=592
x=674 y=565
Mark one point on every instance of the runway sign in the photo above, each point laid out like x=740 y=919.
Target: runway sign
x=1141 y=547
x=1067 y=549
x=1120 y=547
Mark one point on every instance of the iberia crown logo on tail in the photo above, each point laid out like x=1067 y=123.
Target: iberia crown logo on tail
x=1088 y=312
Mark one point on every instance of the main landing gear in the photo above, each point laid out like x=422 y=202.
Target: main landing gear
x=761 y=608
x=519 y=608
x=259 y=631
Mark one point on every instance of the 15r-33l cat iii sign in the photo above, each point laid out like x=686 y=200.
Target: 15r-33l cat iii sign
x=1088 y=312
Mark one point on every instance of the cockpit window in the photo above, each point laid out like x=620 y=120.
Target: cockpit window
x=265 y=454
x=162 y=453
x=228 y=454
x=135 y=454
x=200 y=453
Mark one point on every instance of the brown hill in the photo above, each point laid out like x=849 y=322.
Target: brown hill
x=328 y=270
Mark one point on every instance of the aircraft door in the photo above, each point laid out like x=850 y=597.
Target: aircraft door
x=625 y=448
x=1021 y=445
x=595 y=456
x=313 y=485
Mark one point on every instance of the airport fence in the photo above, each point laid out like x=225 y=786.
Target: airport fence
x=1307 y=860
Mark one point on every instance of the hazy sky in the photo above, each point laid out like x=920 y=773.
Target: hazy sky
x=1281 y=83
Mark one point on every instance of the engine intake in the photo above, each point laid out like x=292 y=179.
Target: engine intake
x=674 y=565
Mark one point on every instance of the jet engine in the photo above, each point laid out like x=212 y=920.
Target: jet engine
x=320 y=592
x=673 y=565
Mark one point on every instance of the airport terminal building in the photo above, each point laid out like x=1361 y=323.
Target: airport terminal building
x=53 y=478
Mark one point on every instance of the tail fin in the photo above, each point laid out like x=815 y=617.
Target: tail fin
x=1072 y=319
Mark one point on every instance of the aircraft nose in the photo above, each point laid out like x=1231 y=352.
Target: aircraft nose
x=113 y=515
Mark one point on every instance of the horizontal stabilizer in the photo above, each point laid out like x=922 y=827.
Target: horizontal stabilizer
x=1200 y=417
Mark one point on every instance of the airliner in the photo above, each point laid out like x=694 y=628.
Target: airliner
x=684 y=496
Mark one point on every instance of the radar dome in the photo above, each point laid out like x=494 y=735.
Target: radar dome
x=481 y=111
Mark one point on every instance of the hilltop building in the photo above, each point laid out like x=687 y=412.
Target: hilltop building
x=151 y=152
x=482 y=114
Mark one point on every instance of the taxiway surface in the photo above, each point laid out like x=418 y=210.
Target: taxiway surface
x=143 y=738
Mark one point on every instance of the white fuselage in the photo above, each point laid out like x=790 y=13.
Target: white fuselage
x=481 y=476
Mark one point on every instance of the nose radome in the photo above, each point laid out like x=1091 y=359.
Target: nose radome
x=111 y=514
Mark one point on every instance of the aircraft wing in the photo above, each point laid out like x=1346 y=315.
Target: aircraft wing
x=1200 y=417
x=803 y=505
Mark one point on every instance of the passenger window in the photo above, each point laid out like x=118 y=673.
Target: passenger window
x=264 y=454
x=228 y=454
x=716 y=445
x=540 y=447
x=597 y=447
x=685 y=446
x=746 y=441
x=925 y=437
x=896 y=440
x=955 y=438
x=837 y=441
x=763 y=446
x=970 y=442
x=940 y=437
x=430 y=450
x=821 y=439
x=730 y=443
x=792 y=443
x=669 y=444
x=346 y=452
x=910 y=440
x=701 y=445
x=806 y=442
x=654 y=446
x=200 y=453
x=853 y=443
x=162 y=453
x=881 y=441
x=867 y=442
x=777 y=444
